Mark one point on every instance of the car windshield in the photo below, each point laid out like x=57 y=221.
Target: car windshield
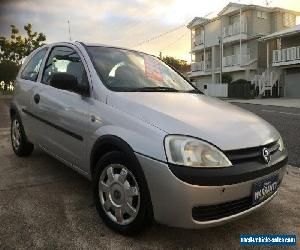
x=125 y=70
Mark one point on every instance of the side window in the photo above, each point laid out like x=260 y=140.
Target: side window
x=65 y=60
x=31 y=70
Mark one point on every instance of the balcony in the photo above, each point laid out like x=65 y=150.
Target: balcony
x=286 y=56
x=235 y=31
x=233 y=62
x=198 y=43
x=201 y=68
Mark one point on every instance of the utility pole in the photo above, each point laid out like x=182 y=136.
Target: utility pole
x=240 y=36
x=69 y=30
x=221 y=51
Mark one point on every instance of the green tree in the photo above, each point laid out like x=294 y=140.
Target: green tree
x=180 y=65
x=15 y=47
x=8 y=71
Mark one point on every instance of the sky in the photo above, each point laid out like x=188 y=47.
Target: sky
x=125 y=23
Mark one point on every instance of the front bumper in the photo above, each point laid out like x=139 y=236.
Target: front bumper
x=173 y=200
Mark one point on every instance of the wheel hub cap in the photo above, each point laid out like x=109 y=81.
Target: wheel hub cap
x=119 y=194
x=16 y=134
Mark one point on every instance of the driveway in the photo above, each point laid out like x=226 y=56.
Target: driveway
x=45 y=205
x=279 y=102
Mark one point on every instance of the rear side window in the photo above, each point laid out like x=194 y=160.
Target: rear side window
x=31 y=70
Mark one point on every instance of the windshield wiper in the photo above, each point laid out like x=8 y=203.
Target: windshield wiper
x=194 y=91
x=156 y=89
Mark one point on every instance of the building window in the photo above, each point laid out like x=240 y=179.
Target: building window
x=198 y=36
x=289 y=19
x=261 y=14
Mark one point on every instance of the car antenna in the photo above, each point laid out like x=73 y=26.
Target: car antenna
x=69 y=30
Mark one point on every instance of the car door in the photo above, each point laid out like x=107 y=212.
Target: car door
x=63 y=116
x=26 y=82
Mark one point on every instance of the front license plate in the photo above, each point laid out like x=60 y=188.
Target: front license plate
x=263 y=189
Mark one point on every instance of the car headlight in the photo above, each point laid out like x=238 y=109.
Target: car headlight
x=281 y=145
x=191 y=152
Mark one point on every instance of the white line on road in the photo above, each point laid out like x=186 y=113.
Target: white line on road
x=273 y=111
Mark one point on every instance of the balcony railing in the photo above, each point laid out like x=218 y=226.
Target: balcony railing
x=201 y=66
x=235 y=60
x=235 y=28
x=198 y=40
x=286 y=55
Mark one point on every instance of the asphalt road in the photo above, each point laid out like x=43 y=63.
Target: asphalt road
x=286 y=121
x=46 y=205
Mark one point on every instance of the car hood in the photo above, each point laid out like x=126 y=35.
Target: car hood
x=220 y=123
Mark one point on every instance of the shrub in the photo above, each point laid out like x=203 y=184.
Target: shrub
x=226 y=78
x=241 y=81
x=240 y=88
x=8 y=73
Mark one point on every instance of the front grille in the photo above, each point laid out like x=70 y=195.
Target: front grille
x=214 y=212
x=241 y=155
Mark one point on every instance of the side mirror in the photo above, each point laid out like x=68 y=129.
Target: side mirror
x=67 y=81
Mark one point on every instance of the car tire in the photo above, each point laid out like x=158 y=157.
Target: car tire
x=21 y=146
x=121 y=195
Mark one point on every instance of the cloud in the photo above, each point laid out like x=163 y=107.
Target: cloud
x=117 y=22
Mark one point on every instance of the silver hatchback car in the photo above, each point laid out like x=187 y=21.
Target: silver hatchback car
x=154 y=147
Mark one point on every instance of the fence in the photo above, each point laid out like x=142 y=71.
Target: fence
x=214 y=89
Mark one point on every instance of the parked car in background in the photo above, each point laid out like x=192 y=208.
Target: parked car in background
x=153 y=146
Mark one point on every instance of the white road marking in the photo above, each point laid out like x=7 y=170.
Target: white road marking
x=281 y=112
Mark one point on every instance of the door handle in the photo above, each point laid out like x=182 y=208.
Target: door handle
x=36 y=98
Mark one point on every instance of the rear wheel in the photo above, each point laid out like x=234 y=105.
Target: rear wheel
x=120 y=194
x=19 y=142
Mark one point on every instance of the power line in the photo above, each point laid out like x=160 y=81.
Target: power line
x=174 y=42
x=158 y=36
x=132 y=24
x=163 y=34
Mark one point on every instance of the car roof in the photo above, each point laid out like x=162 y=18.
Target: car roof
x=111 y=46
x=86 y=44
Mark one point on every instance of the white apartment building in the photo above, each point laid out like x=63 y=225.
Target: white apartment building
x=280 y=52
x=230 y=41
